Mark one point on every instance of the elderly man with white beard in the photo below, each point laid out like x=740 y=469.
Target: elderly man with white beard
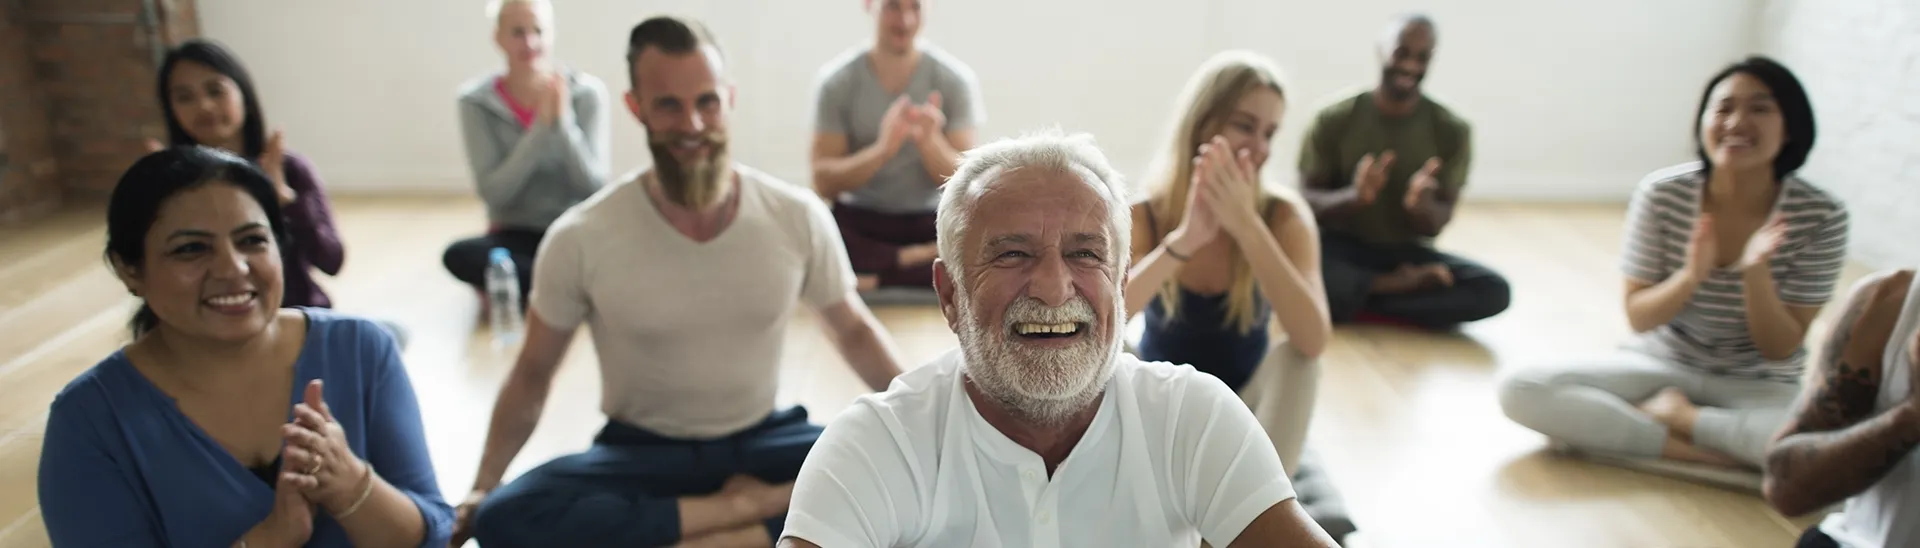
x=1039 y=431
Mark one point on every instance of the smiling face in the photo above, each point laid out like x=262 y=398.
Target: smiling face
x=1251 y=125
x=524 y=32
x=683 y=104
x=207 y=104
x=1741 y=126
x=1038 y=310
x=1405 y=53
x=212 y=268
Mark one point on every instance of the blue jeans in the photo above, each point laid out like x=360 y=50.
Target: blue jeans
x=625 y=490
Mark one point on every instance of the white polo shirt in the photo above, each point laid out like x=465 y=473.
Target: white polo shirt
x=1172 y=456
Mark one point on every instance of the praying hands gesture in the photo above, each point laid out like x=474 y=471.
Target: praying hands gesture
x=555 y=99
x=1231 y=188
x=291 y=521
x=319 y=459
x=1221 y=196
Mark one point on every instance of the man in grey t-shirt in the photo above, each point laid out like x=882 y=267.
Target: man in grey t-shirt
x=890 y=122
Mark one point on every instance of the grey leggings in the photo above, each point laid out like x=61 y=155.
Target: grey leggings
x=1591 y=404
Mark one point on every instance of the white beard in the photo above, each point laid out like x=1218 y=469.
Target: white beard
x=1044 y=387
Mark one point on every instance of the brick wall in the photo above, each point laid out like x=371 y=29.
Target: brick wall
x=77 y=93
x=1860 y=60
x=28 y=187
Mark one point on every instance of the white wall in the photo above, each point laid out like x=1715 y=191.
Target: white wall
x=1573 y=100
x=1860 y=60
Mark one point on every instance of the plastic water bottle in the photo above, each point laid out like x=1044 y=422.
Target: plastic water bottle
x=503 y=299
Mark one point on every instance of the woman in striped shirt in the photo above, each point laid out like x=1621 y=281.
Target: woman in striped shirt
x=1727 y=260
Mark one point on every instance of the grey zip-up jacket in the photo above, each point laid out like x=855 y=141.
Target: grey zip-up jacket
x=529 y=177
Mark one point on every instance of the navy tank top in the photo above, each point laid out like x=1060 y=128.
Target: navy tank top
x=1199 y=334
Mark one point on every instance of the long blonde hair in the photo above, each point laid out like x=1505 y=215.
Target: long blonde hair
x=1209 y=98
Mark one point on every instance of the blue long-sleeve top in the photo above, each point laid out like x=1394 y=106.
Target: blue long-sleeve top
x=122 y=466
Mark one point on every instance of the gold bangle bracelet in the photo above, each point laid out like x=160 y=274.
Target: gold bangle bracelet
x=365 y=492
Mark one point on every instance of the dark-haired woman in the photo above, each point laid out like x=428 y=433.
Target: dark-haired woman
x=1727 y=261
x=209 y=100
x=229 y=420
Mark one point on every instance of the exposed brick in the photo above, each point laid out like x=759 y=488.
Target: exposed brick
x=76 y=94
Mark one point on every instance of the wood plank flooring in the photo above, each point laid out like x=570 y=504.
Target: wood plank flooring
x=1407 y=424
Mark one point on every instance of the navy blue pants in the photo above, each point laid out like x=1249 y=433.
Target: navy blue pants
x=624 y=490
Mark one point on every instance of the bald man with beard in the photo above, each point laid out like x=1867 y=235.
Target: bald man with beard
x=1383 y=171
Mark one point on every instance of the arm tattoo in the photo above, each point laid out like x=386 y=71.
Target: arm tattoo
x=1836 y=445
x=1845 y=393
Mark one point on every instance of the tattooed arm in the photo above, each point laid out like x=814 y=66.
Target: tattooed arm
x=1835 y=445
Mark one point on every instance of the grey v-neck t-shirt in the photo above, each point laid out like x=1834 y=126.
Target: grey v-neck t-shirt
x=851 y=102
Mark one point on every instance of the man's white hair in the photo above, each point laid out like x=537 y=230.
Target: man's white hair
x=1049 y=149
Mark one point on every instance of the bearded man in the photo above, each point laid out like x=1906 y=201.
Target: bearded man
x=1039 y=431
x=686 y=275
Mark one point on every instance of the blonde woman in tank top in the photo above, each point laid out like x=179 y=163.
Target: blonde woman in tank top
x=1853 y=434
x=1220 y=259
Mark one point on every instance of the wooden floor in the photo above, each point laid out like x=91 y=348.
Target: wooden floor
x=1407 y=423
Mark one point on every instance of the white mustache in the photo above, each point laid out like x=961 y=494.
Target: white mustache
x=1030 y=310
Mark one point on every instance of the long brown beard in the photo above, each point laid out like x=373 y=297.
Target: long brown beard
x=696 y=185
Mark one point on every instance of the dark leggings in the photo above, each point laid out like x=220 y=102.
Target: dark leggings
x=874 y=240
x=1349 y=267
x=625 y=489
x=467 y=259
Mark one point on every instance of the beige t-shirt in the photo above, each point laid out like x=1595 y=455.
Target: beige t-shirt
x=689 y=334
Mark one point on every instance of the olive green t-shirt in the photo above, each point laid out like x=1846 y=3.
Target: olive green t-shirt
x=1345 y=131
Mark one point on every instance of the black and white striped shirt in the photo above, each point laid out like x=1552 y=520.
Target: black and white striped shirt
x=1711 y=334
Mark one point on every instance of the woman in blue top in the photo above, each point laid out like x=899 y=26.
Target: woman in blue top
x=1217 y=255
x=229 y=421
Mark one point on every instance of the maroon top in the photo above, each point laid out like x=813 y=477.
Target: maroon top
x=314 y=243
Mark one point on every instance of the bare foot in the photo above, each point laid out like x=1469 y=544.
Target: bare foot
x=1684 y=451
x=866 y=282
x=762 y=499
x=1435 y=275
x=1406 y=279
x=1671 y=407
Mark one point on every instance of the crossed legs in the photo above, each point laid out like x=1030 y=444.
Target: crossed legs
x=1629 y=404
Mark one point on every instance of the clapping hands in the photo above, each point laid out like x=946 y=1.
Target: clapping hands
x=908 y=122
